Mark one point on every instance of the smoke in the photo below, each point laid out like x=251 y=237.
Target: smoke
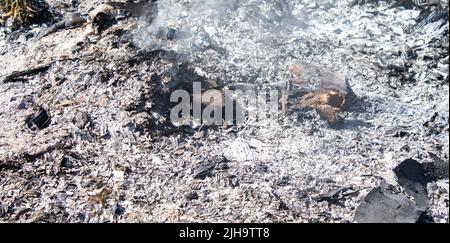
x=254 y=41
x=236 y=35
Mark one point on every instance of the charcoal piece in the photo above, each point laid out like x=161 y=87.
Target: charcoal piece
x=31 y=157
x=70 y=21
x=411 y=171
x=412 y=176
x=40 y=120
x=20 y=76
x=67 y=162
x=191 y=196
x=383 y=205
x=204 y=170
x=8 y=166
x=335 y=196
x=282 y=206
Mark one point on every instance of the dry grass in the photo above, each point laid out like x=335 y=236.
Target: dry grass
x=22 y=12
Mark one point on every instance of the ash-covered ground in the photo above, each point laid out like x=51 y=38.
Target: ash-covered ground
x=109 y=153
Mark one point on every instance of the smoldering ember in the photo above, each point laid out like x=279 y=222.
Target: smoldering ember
x=322 y=111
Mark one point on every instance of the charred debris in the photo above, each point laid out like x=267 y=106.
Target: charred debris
x=86 y=134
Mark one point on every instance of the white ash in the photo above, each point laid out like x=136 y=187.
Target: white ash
x=275 y=173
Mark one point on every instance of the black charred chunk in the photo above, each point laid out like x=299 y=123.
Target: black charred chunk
x=40 y=120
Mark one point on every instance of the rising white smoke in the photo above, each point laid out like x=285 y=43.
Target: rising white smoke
x=239 y=35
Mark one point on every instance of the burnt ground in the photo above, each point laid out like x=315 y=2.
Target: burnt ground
x=106 y=151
